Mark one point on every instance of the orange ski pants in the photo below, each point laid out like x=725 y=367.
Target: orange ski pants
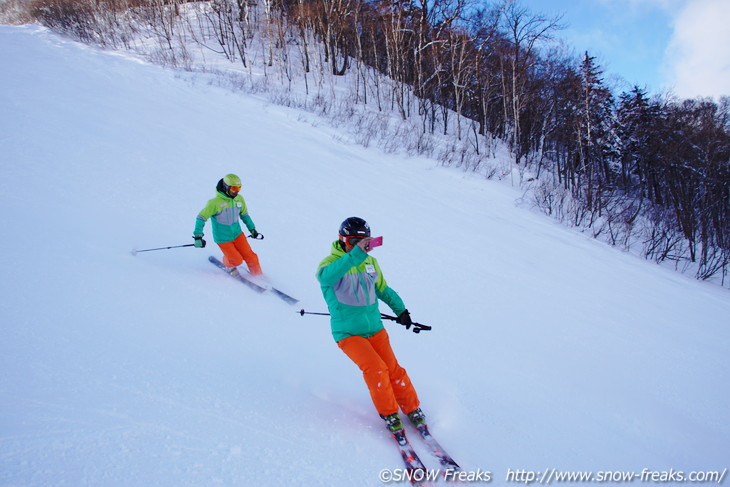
x=388 y=382
x=237 y=251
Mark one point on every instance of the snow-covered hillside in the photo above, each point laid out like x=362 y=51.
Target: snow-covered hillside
x=548 y=349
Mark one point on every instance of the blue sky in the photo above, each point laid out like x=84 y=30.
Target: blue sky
x=677 y=45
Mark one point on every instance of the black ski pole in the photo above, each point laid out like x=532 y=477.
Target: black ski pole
x=135 y=251
x=417 y=327
x=302 y=313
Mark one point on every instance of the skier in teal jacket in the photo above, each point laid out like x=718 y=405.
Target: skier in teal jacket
x=352 y=283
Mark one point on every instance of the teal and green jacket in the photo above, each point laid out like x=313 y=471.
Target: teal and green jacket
x=225 y=212
x=352 y=283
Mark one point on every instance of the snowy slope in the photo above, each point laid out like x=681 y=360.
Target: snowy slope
x=549 y=349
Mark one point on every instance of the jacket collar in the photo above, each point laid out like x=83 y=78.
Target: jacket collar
x=337 y=249
x=221 y=188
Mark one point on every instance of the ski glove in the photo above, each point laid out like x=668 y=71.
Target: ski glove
x=255 y=234
x=404 y=319
x=199 y=242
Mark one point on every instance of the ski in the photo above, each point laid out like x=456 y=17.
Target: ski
x=239 y=276
x=436 y=450
x=283 y=295
x=415 y=470
x=244 y=278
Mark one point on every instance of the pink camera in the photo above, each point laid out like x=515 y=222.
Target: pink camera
x=376 y=242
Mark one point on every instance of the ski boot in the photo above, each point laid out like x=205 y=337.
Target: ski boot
x=417 y=417
x=393 y=423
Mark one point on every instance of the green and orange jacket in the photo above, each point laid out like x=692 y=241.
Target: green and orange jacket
x=352 y=283
x=225 y=212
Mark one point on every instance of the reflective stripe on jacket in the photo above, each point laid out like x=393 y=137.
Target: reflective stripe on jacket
x=352 y=283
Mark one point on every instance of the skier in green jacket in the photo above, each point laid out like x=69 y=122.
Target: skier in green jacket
x=225 y=209
x=352 y=282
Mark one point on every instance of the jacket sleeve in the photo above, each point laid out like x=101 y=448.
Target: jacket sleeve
x=245 y=217
x=203 y=216
x=248 y=222
x=331 y=272
x=387 y=294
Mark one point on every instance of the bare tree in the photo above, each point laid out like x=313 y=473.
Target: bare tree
x=525 y=30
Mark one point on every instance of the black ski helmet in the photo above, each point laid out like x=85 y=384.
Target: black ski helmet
x=355 y=227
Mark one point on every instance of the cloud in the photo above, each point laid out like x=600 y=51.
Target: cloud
x=697 y=59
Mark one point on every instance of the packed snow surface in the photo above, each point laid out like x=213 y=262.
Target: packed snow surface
x=548 y=349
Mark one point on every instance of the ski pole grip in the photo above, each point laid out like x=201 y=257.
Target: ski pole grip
x=417 y=328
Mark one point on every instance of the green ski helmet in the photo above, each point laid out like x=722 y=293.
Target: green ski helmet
x=232 y=180
x=230 y=185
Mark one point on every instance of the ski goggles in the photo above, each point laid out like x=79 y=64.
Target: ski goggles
x=351 y=241
x=234 y=189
